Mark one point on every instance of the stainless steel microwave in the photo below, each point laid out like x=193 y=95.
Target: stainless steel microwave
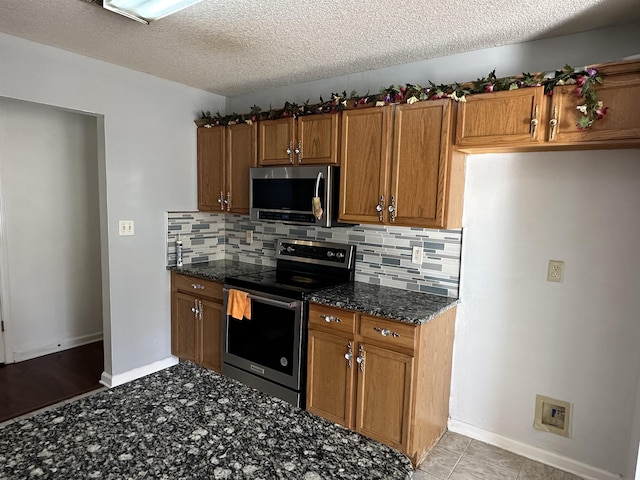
x=305 y=195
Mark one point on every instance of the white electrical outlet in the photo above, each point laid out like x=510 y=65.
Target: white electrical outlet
x=248 y=236
x=416 y=255
x=125 y=227
x=555 y=271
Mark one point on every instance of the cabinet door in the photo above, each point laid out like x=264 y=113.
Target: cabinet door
x=502 y=119
x=384 y=395
x=211 y=153
x=620 y=125
x=330 y=377
x=241 y=156
x=421 y=143
x=364 y=171
x=276 y=141
x=185 y=332
x=318 y=139
x=211 y=335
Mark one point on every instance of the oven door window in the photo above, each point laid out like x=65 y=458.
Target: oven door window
x=268 y=339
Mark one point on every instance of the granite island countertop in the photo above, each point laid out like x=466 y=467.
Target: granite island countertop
x=187 y=422
x=393 y=303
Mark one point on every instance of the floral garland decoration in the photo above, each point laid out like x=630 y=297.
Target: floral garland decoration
x=585 y=80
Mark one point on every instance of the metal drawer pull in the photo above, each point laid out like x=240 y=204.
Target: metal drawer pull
x=197 y=286
x=330 y=318
x=385 y=332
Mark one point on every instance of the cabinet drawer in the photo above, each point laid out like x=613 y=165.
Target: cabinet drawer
x=387 y=332
x=198 y=287
x=331 y=319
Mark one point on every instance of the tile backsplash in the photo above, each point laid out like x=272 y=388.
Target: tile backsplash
x=383 y=253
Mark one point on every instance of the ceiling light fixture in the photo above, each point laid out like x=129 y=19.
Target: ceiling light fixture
x=146 y=11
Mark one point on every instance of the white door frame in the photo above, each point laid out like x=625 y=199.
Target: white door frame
x=6 y=345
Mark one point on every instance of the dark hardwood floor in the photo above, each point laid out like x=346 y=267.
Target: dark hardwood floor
x=40 y=382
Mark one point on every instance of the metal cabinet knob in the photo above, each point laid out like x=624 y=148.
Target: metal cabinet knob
x=349 y=355
x=330 y=318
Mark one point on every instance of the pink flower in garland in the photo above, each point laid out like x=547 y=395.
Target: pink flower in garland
x=580 y=80
x=601 y=111
x=489 y=88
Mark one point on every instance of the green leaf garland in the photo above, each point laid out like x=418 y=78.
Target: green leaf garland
x=585 y=82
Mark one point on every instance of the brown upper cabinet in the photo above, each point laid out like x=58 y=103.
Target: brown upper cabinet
x=526 y=119
x=620 y=127
x=398 y=167
x=225 y=155
x=508 y=118
x=307 y=140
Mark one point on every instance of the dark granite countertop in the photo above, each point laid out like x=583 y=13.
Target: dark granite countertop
x=401 y=305
x=220 y=269
x=393 y=303
x=187 y=422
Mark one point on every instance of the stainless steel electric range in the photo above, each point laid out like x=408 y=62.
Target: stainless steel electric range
x=268 y=352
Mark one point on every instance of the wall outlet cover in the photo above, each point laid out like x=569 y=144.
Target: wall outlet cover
x=416 y=255
x=555 y=271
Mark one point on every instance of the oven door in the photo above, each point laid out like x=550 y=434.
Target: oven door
x=268 y=346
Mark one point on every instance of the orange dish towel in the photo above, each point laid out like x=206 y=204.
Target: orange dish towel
x=239 y=305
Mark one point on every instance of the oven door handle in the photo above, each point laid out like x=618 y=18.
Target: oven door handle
x=269 y=301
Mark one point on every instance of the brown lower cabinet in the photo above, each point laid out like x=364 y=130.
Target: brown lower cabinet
x=385 y=379
x=196 y=317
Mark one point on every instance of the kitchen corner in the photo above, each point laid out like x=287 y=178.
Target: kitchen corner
x=387 y=318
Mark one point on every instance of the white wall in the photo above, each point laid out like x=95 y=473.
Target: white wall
x=147 y=165
x=52 y=228
x=519 y=335
x=597 y=46
x=516 y=334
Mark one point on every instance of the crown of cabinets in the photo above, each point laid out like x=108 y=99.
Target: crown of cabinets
x=225 y=155
x=306 y=140
x=385 y=379
x=398 y=167
x=527 y=119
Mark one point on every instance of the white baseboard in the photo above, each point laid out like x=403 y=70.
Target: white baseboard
x=111 y=381
x=57 y=346
x=534 y=453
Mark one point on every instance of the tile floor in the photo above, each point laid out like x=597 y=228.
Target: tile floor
x=456 y=457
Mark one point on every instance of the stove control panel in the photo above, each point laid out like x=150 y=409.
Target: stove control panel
x=316 y=252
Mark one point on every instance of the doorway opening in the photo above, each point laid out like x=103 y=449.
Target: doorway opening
x=51 y=303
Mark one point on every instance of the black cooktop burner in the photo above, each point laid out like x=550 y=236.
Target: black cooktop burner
x=303 y=266
x=285 y=283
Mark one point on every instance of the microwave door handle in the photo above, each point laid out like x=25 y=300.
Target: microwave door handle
x=317 y=204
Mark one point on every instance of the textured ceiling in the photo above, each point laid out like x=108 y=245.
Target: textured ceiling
x=236 y=46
